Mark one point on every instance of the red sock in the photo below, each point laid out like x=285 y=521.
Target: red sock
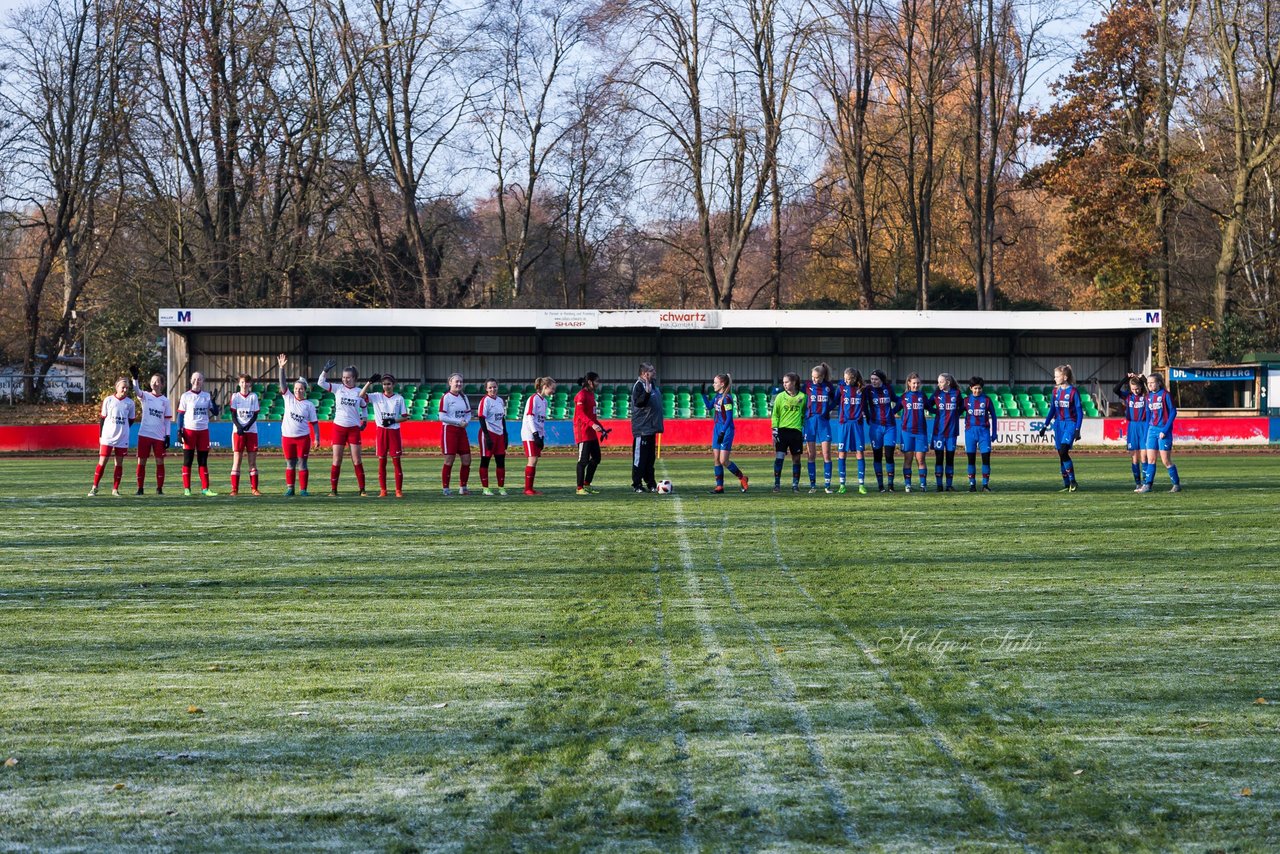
x=302 y=478
x=253 y=478
x=235 y=481
x=360 y=476
x=186 y=477
x=382 y=474
x=204 y=477
x=445 y=474
x=288 y=476
x=97 y=475
x=117 y=475
x=466 y=472
x=159 y=475
x=502 y=477
x=333 y=477
x=142 y=474
x=528 y=477
x=399 y=474
x=484 y=475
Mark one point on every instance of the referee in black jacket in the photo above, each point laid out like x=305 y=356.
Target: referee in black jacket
x=646 y=424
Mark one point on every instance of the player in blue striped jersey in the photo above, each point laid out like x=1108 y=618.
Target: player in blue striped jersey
x=852 y=427
x=720 y=405
x=914 y=429
x=1132 y=391
x=979 y=432
x=945 y=404
x=1066 y=415
x=882 y=407
x=1159 y=439
x=820 y=402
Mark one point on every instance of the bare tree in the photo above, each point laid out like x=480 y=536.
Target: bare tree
x=62 y=95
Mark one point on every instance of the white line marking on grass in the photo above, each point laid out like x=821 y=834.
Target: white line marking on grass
x=978 y=789
x=782 y=684
x=684 y=796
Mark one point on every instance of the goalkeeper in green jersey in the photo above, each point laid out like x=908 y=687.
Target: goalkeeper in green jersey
x=788 y=430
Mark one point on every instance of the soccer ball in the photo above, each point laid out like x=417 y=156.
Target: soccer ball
x=665 y=487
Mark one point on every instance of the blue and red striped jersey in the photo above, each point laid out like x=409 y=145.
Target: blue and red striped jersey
x=1065 y=406
x=978 y=412
x=820 y=399
x=881 y=405
x=850 y=403
x=915 y=405
x=946 y=414
x=1160 y=410
x=1135 y=407
x=721 y=408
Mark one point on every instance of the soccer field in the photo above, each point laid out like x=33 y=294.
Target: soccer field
x=1021 y=670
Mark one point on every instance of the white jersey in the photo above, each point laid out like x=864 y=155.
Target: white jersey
x=116 y=414
x=348 y=409
x=243 y=406
x=384 y=406
x=492 y=413
x=196 y=409
x=535 y=418
x=299 y=415
x=455 y=409
x=156 y=413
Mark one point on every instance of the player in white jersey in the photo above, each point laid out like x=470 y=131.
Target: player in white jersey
x=388 y=411
x=455 y=415
x=153 y=427
x=117 y=414
x=492 y=414
x=349 y=421
x=533 y=429
x=295 y=429
x=244 y=432
x=195 y=408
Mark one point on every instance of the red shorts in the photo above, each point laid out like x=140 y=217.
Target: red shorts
x=245 y=442
x=387 y=442
x=453 y=440
x=345 y=435
x=148 y=446
x=492 y=444
x=108 y=450
x=197 y=440
x=296 y=446
x=532 y=450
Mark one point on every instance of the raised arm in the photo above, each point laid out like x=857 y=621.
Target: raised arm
x=282 y=360
x=323 y=379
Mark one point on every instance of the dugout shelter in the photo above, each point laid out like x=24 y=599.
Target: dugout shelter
x=1014 y=351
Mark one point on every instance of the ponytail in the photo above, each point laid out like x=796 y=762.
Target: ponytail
x=726 y=381
x=590 y=377
x=1066 y=371
x=824 y=370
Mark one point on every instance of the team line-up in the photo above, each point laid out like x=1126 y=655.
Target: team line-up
x=833 y=419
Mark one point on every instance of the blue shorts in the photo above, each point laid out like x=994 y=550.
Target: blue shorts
x=1152 y=441
x=943 y=443
x=722 y=441
x=977 y=440
x=852 y=437
x=817 y=428
x=914 y=443
x=881 y=436
x=1135 y=436
x=1064 y=434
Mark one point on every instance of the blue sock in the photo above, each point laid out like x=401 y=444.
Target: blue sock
x=813 y=473
x=879 y=468
x=862 y=471
x=937 y=474
x=906 y=475
x=1149 y=473
x=840 y=467
x=1137 y=473
x=734 y=470
x=924 y=481
x=973 y=470
x=719 y=475
x=889 y=470
x=795 y=473
x=986 y=475
x=951 y=473
x=826 y=472
x=1070 y=472
x=777 y=470
x=1173 y=475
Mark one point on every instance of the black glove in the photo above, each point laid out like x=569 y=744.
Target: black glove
x=1044 y=428
x=375 y=379
x=134 y=372
x=704 y=389
x=720 y=439
x=775 y=435
x=182 y=436
x=1077 y=436
x=539 y=441
x=388 y=420
x=329 y=365
x=167 y=442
